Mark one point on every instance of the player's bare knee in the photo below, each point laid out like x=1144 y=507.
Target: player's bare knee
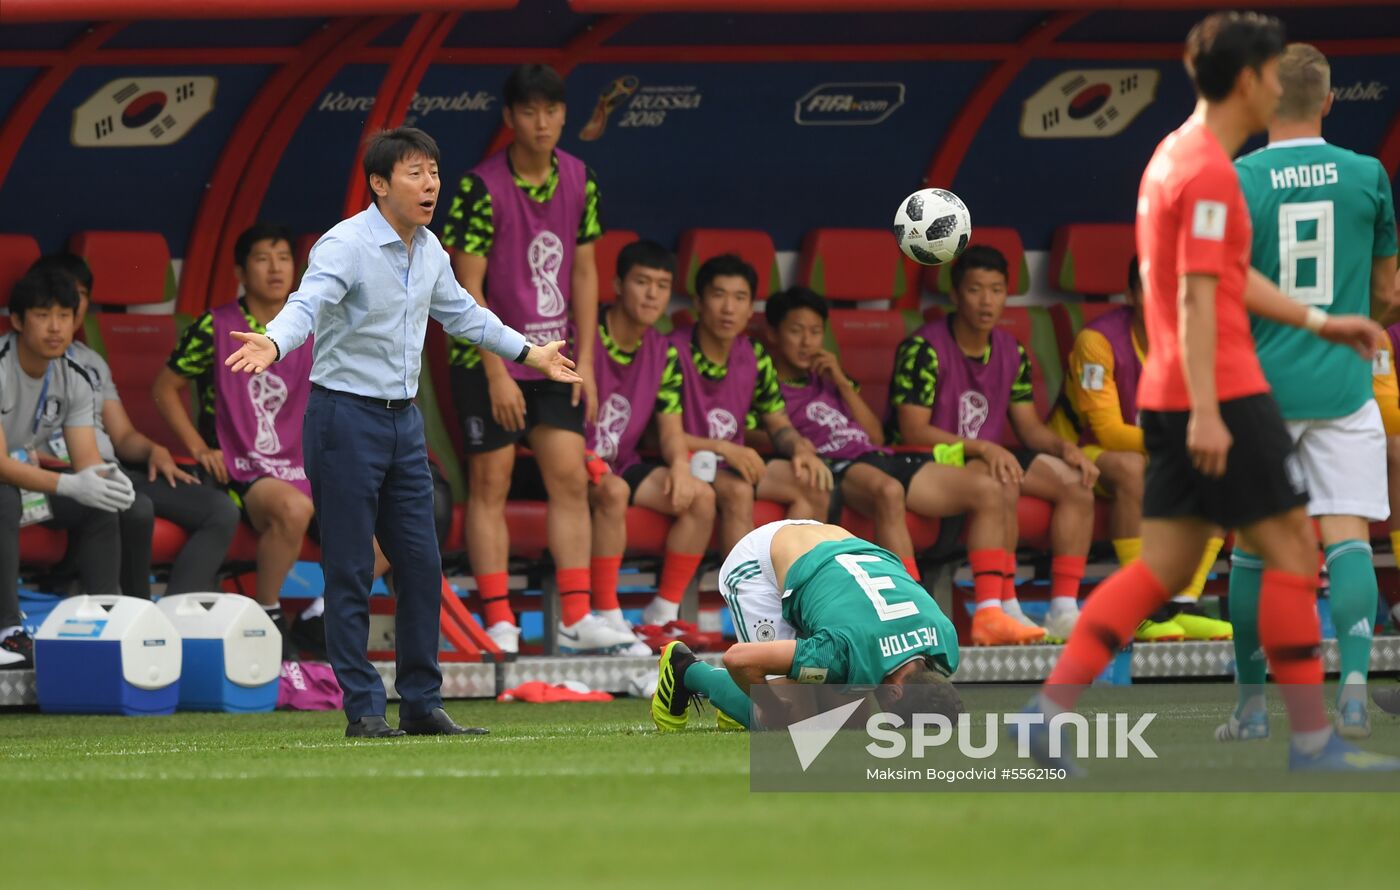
x=889 y=498
x=702 y=506
x=733 y=495
x=609 y=498
x=987 y=494
x=566 y=483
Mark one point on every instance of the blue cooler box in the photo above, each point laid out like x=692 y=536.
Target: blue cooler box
x=107 y=655
x=233 y=652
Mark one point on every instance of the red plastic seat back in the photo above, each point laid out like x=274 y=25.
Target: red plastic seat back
x=17 y=254
x=1092 y=258
x=605 y=251
x=940 y=278
x=853 y=265
x=128 y=268
x=752 y=246
x=868 y=340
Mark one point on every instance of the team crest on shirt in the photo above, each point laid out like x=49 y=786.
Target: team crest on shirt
x=614 y=415
x=763 y=632
x=476 y=430
x=722 y=424
x=973 y=411
x=53 y=410
x=546 y=256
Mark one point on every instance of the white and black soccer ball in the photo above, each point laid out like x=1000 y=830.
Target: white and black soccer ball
x=932 y=226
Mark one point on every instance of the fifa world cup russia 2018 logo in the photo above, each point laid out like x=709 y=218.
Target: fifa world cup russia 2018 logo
x=546 y=255
x=614 y=415
x=973 y=411
x=268 y=392
x=608 y=100
x=722 y=424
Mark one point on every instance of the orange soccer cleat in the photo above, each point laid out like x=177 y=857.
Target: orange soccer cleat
x=993 y=627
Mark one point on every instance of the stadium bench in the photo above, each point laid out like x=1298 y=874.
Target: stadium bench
x=1092 y=258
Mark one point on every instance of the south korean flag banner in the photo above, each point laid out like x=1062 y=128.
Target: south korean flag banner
x=1088 y=103
x=142 y=111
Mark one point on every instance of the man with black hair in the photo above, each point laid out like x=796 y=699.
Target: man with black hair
x=523 y=224
x=1218 y=451
x=162 y=488
x=639 y=385
x=826 y=607
x=730 y=388
x=369 y=288
x=825 y=405
x=961 y=380
x=47 y=408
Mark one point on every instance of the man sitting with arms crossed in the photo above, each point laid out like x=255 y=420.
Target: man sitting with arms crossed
x=1098 y=409
x=961 y=380
x=162 y=488
x=814 y=604
x=639 y=377
x=730 y=386
x=47 y=403
x=825 y=406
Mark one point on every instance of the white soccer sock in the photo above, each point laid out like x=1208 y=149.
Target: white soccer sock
x=661 y=611
x=612 y=616
x=1312 y=742
x=1062 y=604
x=1353 y=688
x=989 y=604
x=316 y=609
x=1012 y=607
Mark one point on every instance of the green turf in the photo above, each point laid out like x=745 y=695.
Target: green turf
x=588 y=795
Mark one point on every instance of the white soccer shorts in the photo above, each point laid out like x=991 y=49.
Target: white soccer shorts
x=750 y=587
x=1343 y=461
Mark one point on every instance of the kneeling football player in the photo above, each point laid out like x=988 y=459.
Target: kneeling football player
x=812 y=603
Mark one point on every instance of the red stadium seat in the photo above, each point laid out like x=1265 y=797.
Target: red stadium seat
x=41 y=547
x=867 y=340
x=1069 y=318
x=17 y=254
x=754 y=247
x=924 y=531
x=1092 y=258
x=853 y=265
x=131 y=269
x=605 y=251
x=646 y=532
x=939 y=279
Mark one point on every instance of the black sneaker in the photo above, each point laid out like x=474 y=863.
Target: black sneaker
x=308 y=635
x=17 y=651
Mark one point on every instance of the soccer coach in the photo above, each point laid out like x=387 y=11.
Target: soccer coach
x=371 y=284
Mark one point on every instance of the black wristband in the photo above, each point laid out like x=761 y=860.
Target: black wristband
x=524 y=354
x=278 y=358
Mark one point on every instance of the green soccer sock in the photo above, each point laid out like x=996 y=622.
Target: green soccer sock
x=1354 y=598
x=1246 y=570
x=716 y=685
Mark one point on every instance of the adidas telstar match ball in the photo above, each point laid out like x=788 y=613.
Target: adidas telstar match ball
x=932 y=226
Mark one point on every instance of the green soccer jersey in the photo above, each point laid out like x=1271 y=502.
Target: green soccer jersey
x=858 y=616
x=1320 y=214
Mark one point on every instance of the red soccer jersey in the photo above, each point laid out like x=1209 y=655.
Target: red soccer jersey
x=1192 y=218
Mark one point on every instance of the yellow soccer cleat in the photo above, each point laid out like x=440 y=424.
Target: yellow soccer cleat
x=1150 y=631
x=669 y=701
x=726 y=723
x=1199 y=626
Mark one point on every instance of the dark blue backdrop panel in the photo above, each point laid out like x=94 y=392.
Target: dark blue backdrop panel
x=532 y=23
x=13 y=82
x=215 y=33
x=49 y=35
x=55 y=188
x=1153 y=25
x=840 y=30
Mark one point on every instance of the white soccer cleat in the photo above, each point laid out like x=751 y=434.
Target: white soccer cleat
x=592 y=635
x=506 y=636
x=1059 y=625
x=618 y=623
x=660 y=611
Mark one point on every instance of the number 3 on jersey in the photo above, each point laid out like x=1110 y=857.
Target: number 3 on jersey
x=873 y=585
x=1305 y=252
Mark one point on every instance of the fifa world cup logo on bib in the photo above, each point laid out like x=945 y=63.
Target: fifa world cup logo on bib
x=268 y=393
x=546 y=255
x=839 y=430
x=722 y=424
x=973 y=411
x=614 y=415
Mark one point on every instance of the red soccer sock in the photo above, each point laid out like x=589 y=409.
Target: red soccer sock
x=494 y=590
x=1065 y=574
x=988 y=568
x=676 y=573
x=1008 y=584
x=1291 y=637
x=573 y=594
x=911 y=565
x=604 y=570
x=1117 y=606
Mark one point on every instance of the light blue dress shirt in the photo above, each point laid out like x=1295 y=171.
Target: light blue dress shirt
x=368 y=306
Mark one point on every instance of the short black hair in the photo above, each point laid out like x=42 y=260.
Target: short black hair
x=42 y=288
x=725 y=264
x=979 y=256
x=648 y=255
x=258 y=231
x=387 y=147
x=795 y=297
x=69 y=264
x=531 y=82
x=1134 y=276
x=1222 y=45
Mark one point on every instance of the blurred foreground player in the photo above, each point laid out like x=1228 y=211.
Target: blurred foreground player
x=1218 y=451
x=812 y=603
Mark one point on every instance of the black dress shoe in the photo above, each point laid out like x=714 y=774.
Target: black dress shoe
x=437 y=723
x=375 y=727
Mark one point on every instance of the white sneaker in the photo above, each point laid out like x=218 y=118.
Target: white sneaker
x=593 y=635
x=1059 y=625
x=660 y=611
x=618 y=623
x=505 y=635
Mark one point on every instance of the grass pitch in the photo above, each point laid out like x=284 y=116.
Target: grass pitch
x=588 y=795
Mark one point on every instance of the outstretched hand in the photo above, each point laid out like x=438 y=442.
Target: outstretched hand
x=547 y=360
x=255 y=355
